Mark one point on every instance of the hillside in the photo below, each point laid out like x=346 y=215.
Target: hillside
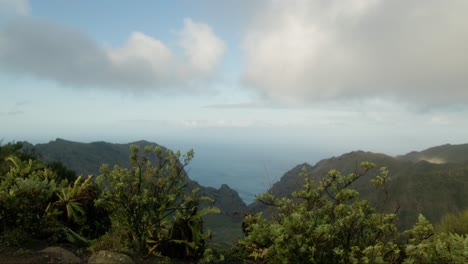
x=440 y=154
x=421 y=183
x=87 y=158
x=416 y=187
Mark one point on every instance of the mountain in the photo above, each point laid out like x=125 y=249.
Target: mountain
x=87 y=158
x=440 y=154
x=433 y=182
x=417 y=186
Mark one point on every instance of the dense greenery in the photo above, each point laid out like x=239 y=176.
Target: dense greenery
x=146 y=208
x=149 y=208
x=150 y=203
x=38 y=202
x=326 y=222
x=454 y=223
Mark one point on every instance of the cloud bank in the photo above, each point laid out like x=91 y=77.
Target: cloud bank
x=305 y=51
x=51 y=51
x=15 y=7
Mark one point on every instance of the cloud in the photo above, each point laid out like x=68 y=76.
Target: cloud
x=306 y=51
x=52 y=51
x=15 y=7
x=202 y=48
x=15 y=109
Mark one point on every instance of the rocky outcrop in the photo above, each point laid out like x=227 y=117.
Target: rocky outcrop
x=60 y=255
x=225 y=198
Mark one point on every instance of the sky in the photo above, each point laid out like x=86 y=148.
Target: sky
x=333 y=75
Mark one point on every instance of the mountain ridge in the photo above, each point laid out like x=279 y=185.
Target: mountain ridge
x=87 y=158
x=417 y=185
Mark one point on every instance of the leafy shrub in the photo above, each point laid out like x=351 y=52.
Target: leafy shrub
x=149 y=203
x=426 y=246
x=328 y=223
x=324 y=223
x=36 y=203
x=25 y=193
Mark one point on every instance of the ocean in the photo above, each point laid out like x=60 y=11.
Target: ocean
x=248 y=169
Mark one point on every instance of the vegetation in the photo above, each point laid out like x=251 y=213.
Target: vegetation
x=151 y=208
x=36 y=202
x=143 y=209
x=454 y=223
x=328 y=223
x=149 y=202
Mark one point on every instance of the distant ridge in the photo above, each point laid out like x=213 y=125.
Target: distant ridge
x=433 y=182
x=440 y=154
x=417 y=186
x=87 y=158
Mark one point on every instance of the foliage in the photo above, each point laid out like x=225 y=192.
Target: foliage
x=324 y=223
x=328 y=223
x=113 y=240
x=25 y=193
x=80 y=215
x=426 y=246
x=62 y=171
x=9 y=150
x=149 y=203
x=35 y=202
x=454 y=223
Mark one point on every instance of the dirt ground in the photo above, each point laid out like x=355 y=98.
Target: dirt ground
x=31 y=254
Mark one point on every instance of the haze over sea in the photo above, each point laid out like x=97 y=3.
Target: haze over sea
x=248 y=169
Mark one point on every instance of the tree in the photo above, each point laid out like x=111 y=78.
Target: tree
x=144 y=199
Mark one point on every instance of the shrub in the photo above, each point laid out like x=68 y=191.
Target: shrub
x=150 y=205
x=454 y=223
x=324 y=223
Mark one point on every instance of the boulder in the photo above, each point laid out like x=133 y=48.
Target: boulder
x=60 y=255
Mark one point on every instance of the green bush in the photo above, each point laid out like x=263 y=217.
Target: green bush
x=37 y=203
x=324 y=223
x=426 y=246
x=26 y=191
x=328 y=223
x=149 y=203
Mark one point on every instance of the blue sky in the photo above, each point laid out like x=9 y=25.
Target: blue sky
x=387 y=76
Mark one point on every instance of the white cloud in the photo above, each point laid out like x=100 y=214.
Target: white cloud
x=305 y=51
x=202 y=47
x=147 y=53
x=51 y=51
x=15 y=7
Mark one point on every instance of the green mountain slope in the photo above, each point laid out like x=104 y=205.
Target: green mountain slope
x=440 y=154
x=87 y=158
x=417 y=187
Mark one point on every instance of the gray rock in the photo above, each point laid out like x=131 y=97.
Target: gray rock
x=60 y=255
x=109 y=257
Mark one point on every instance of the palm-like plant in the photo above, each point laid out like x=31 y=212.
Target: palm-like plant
x=70 y=199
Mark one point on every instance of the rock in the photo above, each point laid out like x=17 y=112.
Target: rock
x=109 y=257
x=60 y=255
